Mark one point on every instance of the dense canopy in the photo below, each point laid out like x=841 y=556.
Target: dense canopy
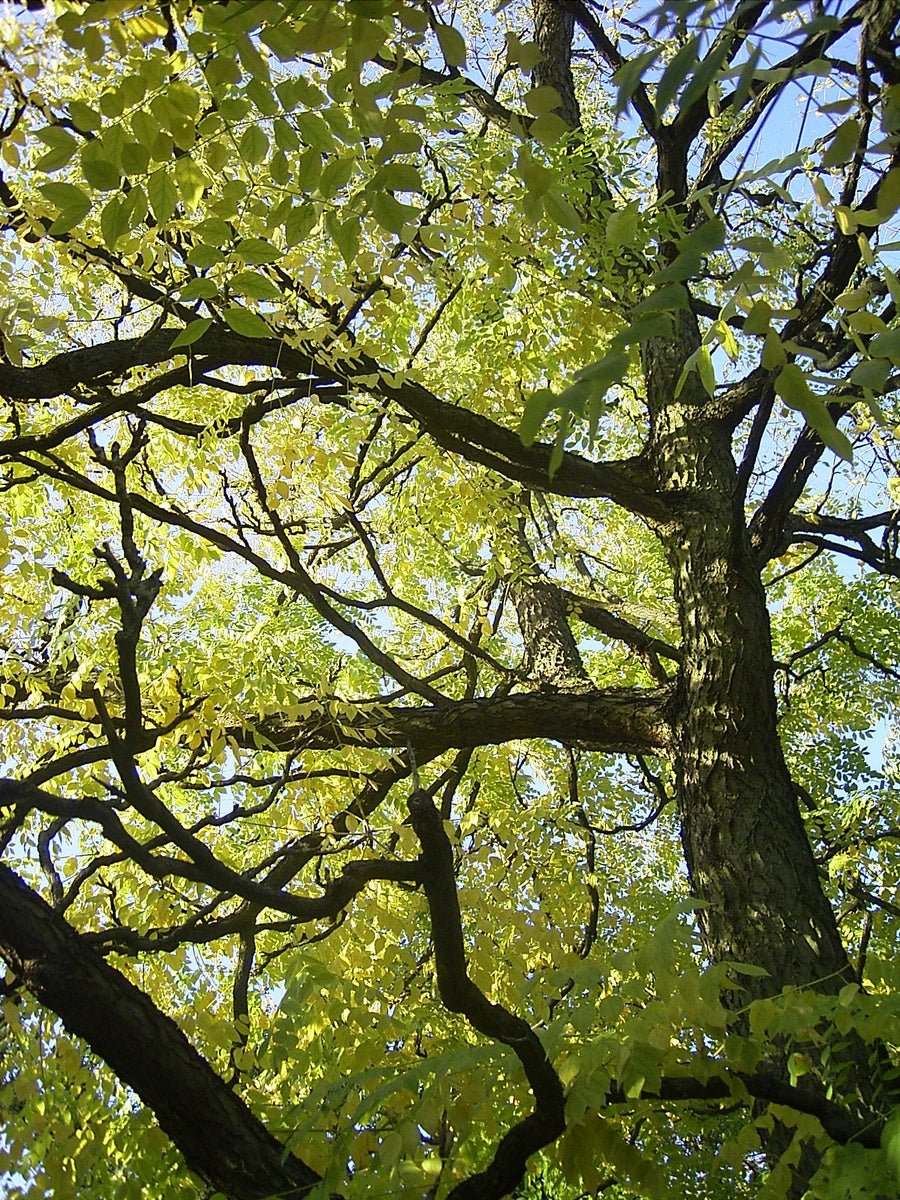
x=449 y=556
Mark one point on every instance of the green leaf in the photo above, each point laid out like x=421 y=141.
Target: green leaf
x=865 y=322
x=335 y=175
x=390 y=213
x=99 y=172
x=889 y=195
x=543 y=99
x=215 y=231
x=453 y=45
x=793 y=388
x=526 y=55
x=114 y=222
x=561 y=212
x=558 y=453
x=72 y=203
x=701 y=362
x=537 y=178
x=706 y=370
x=256 y=251
x=773 y=354
x=299 y=223
x=87 y=119
x=286 y=137
x=191 y=182
x=537 y=408
x=346 y=238
x=705 y=238
x=163 y=196
x=62 y=148
x=630 y=75
x=144 y=128
x=255 y=285
x=203 y=257
x=692 y=250
x=843 y=144
x=399 y=177
x=872 y=373
x=254 y=145
x=622 y=226
x=758 y=319
x=299 y=90
x=191 y=333
x=746 y=78
x=671 y=298
x=890 y=1143
x=642 y=330
x=606 y=371
x=702 y=77
x=246 y=323
x=886 y=345
x=548 y=129
x=183 y=98
x=200 y=288
x=314 y=131
x=674 y=75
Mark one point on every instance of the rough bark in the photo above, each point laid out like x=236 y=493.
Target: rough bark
x=748 y=855
x=746 y=848
x=553 y=30
x=618 y=720
x=552 y=660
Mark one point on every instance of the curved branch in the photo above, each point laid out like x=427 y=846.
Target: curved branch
x=202 y=866
x=218 y=1135
x=614 y=59
x=451 y=426
x=460 y=994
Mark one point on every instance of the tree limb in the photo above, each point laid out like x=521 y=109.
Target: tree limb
x=220 y=1138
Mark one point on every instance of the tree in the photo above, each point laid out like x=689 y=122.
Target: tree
x=449 y=558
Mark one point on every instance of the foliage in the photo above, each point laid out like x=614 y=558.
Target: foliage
x=403 y=409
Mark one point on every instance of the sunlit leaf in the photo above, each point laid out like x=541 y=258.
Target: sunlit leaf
x=453 y=45
x=192 y=333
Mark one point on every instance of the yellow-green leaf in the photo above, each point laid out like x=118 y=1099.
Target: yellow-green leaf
x=453 y=45
x=542 y=99
x=246 y=323
x=163 y=196
x=191 y=333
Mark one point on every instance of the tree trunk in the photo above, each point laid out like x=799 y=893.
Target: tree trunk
x=553 y=30
x=747 y=851
x=746 y=848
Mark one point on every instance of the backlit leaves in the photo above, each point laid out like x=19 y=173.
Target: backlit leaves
x=274 y=179
x=246 y=323
x=71 y=204
x=793 y=387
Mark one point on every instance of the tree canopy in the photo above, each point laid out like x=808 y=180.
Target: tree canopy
x=449 y=549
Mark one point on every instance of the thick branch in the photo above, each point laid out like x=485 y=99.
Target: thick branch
x=554 y=25
x=626 y=721
x=839 y=1124
x=220 y=1138
x=594 y=614
x=453 y=427
x=614 y=59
